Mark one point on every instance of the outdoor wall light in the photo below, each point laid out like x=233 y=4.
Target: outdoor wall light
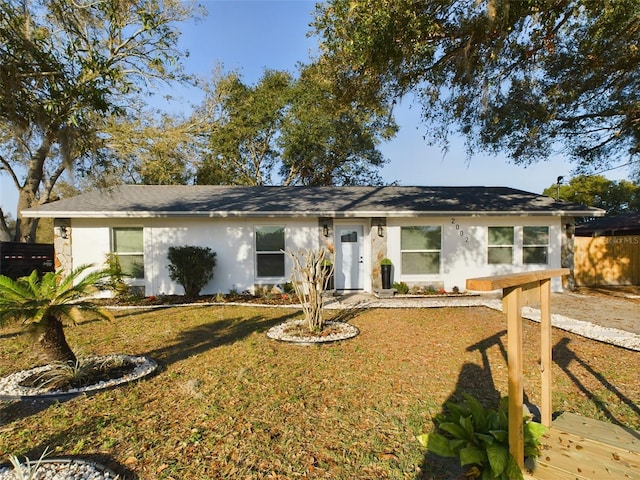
x=325 y=230
x=380 y=230
x=64 y=231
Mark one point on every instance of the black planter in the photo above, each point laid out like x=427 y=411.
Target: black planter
x=329 y=285
x=387 y=281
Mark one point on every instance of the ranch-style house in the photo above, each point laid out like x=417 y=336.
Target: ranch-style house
x=434 y=236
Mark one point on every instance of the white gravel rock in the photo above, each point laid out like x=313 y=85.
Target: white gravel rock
x=344 y=332
x=59 y=470
x=10 y=385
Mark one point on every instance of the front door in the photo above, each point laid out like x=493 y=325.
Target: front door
x=349 y=268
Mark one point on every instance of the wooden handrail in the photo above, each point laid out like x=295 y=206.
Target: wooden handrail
x=497 y=282
x=518 y=290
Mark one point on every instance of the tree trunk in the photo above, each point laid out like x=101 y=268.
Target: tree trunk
x=28 y=192
x=26 y=230
x=53 y=342
x=5 y=232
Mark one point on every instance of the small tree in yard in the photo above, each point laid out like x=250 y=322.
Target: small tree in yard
x=46 y=302
x=192 y=267
x=309 y=275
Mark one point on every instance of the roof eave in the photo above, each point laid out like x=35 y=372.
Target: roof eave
x=283 y=214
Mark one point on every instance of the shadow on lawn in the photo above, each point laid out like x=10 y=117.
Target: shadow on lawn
x=345 y=314
x=215 y=334
x=10 y=335
x=563 y=356
x=10 y=411
x=477 y=381
x=474 y=380
x=84 y=430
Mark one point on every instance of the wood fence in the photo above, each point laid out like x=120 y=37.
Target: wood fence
x=607 y=260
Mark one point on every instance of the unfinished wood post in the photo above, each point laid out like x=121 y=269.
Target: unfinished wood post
x=512 y=299
x=537 y=288
x=546 y=401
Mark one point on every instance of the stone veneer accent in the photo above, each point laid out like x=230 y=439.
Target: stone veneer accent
x=326 y=242
x=62 y=246
x=378 y=250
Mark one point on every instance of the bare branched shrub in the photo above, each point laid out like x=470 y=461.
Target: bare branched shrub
x=310 y=272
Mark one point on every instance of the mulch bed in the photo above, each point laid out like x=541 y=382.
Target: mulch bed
x=159 y=300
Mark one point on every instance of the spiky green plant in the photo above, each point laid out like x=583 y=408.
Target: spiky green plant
x=63 y=375
x=115 y=276
x=27 y=470
x=46 y=302
x=479 y=437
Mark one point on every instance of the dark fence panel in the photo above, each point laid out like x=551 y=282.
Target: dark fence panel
x=20 y=259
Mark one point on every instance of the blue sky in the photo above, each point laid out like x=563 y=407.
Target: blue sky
x=251 y=35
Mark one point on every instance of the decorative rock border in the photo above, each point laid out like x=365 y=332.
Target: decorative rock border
x=346 y=331
x=10 y=388
x=58 y=468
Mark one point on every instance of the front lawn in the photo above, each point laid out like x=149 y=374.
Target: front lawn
x=230 y=403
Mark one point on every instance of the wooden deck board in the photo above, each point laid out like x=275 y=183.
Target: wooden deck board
x=579 y=448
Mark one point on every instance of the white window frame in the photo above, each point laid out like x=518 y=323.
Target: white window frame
x=536 y=245
x=438 y=251
x=269 y=252
x=129 y=254
x=512 y=245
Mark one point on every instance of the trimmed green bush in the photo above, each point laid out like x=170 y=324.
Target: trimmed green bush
x=192 y=267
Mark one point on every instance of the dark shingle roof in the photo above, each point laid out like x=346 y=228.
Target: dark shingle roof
x=214 y=201
x=624 y=224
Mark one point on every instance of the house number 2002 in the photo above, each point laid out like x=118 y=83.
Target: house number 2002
x=459 y=230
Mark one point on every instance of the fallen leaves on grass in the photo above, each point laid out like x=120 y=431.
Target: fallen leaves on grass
x=230 y=403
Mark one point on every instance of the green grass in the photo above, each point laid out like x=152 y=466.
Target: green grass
x=230 y=403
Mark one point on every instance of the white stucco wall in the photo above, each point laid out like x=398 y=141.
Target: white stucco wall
x=463 y=254
x=464 y=248
x=231 y=239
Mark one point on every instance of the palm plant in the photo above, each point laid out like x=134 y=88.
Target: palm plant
x=46 y=302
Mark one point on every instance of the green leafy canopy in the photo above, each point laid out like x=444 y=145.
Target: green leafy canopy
x=528 y=79
x=66 y=68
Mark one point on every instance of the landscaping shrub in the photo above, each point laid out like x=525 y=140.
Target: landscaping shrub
x=47 y=302
x=192 y=267
x=401 y=287
x=479 y=437
x=115 y=276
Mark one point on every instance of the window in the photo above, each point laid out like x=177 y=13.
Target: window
x=535 y=245
x=270 y=251
x=128 y=245
x=350 y=237
x=420 y=249
x=500 y=250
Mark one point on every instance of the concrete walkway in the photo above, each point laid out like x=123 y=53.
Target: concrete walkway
x=602 y=333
